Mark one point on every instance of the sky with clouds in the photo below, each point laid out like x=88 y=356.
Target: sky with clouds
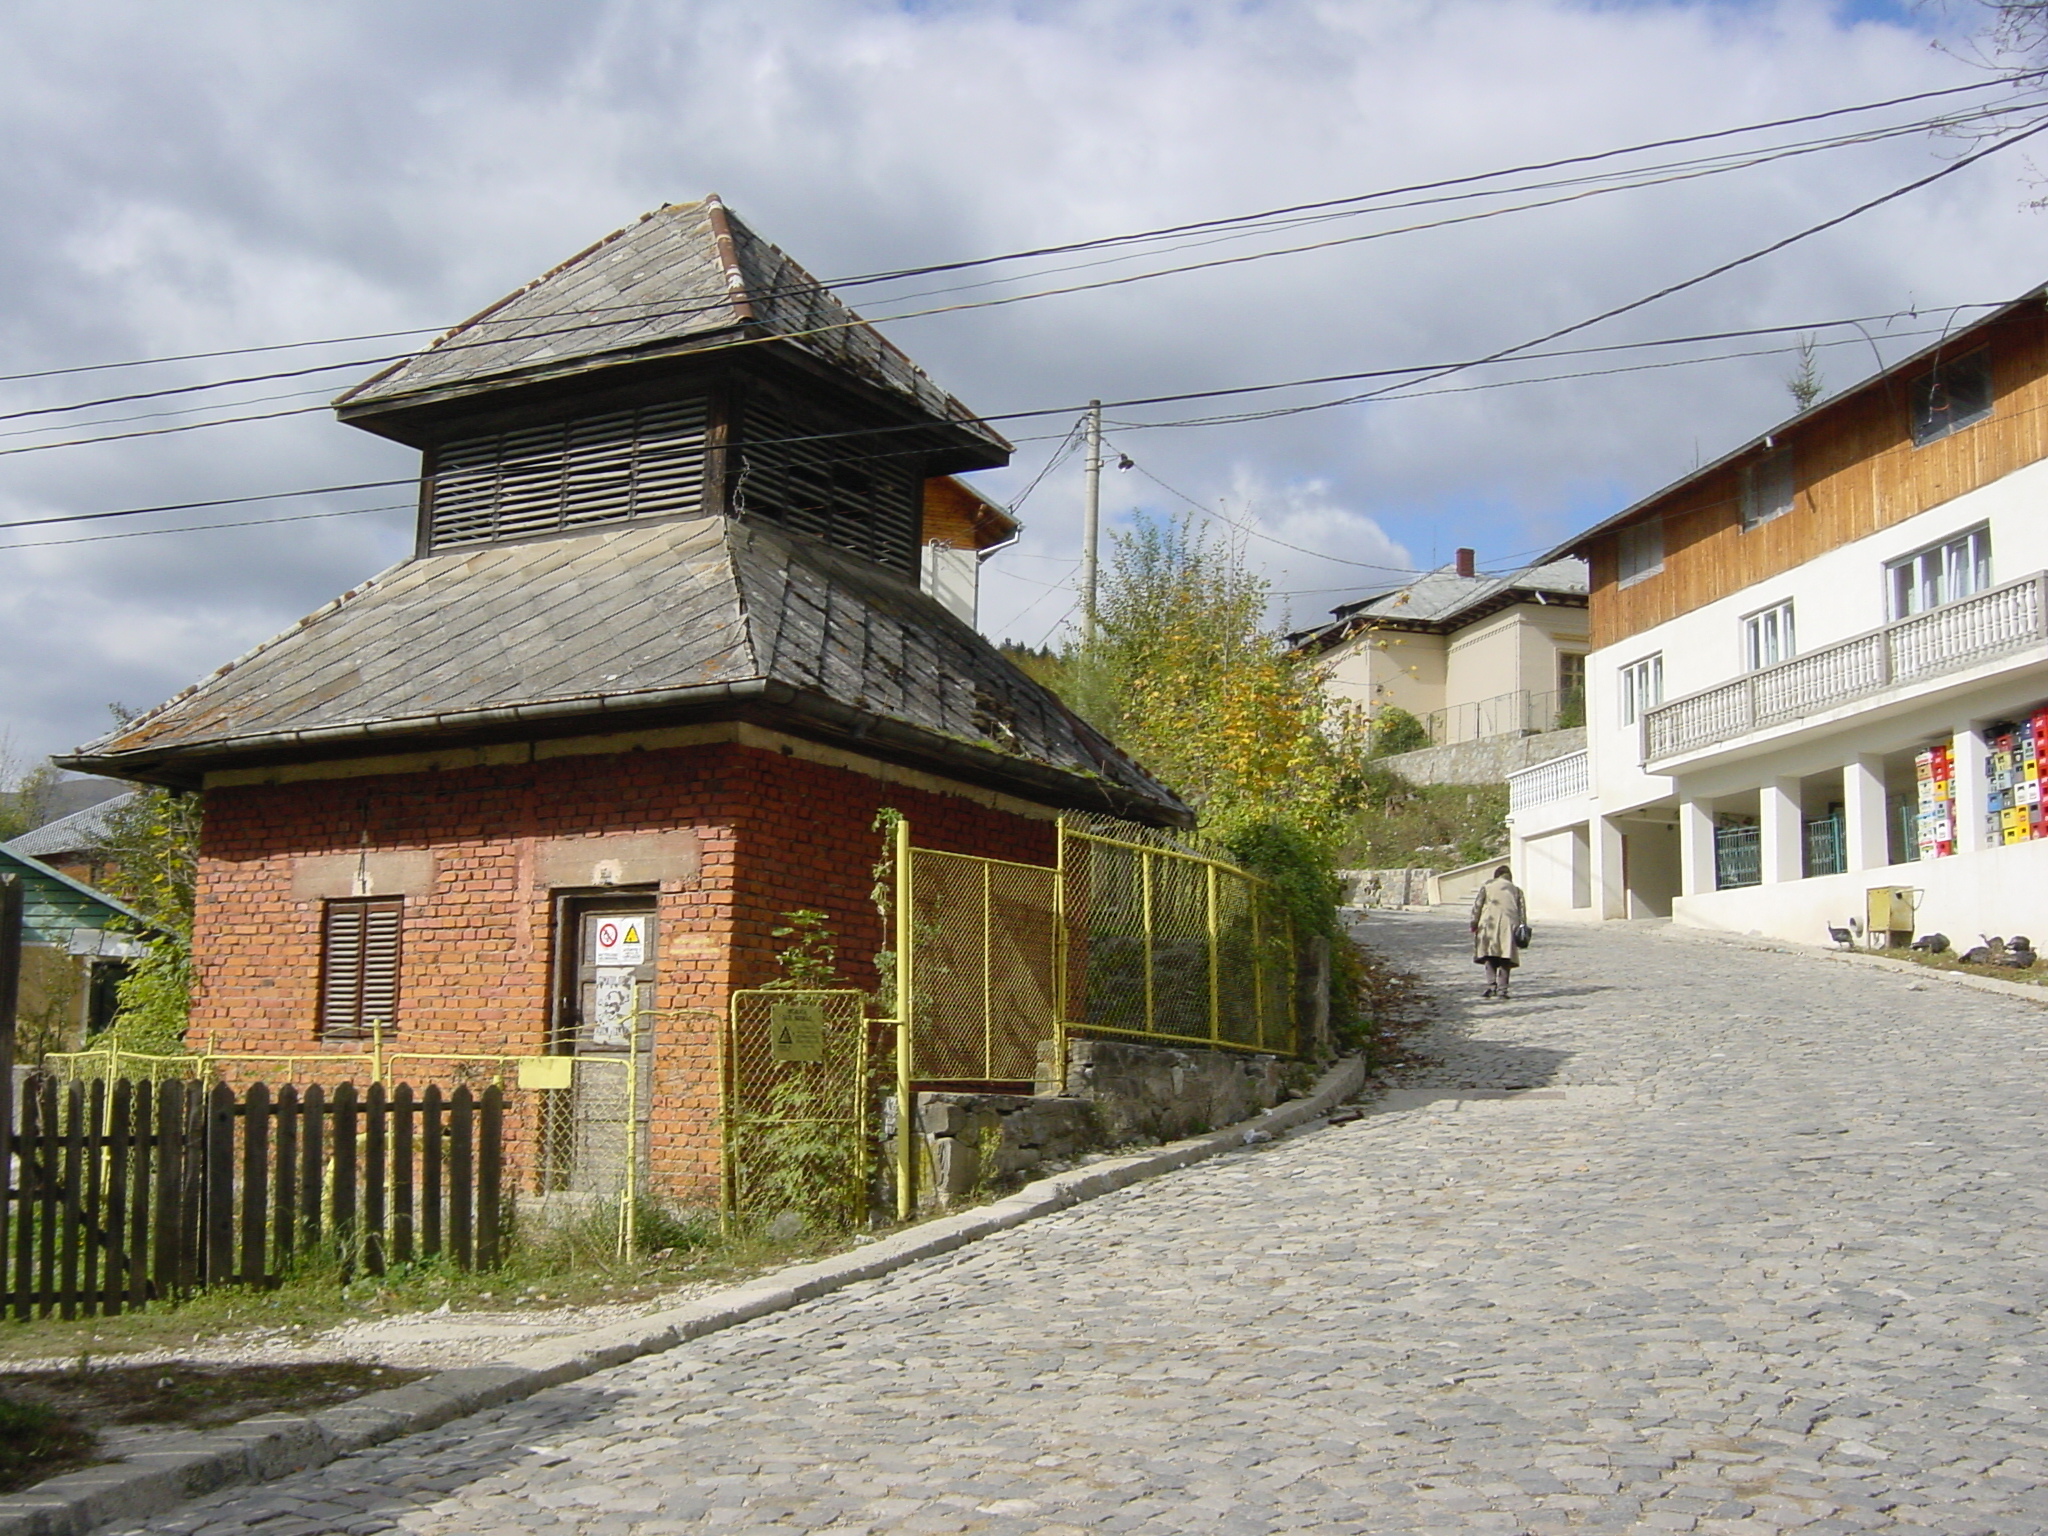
x=248 y=173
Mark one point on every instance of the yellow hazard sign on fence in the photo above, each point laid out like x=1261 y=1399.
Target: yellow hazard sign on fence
x=796 y=1029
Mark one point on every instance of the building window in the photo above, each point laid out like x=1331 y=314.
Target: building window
x=1767 y=487
x=359 y=966
x=1767 y=637
x=1951 y=396
x=1571 y=689
x=1642 y=551
x=1942 y=573
x=1642 y=687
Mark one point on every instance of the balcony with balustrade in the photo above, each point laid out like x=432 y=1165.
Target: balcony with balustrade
x=1901 y=661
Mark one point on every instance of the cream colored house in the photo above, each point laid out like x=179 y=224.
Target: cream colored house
x=1471 y=656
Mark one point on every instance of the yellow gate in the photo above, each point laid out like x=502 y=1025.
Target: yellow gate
x=794 y=1077
x=986 y=942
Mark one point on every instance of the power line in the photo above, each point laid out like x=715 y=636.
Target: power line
x=1067 y=438
x=1165 y=232
x=253 y=522
x=1647 y=177
x=218 y=501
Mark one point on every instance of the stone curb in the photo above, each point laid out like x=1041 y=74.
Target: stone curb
x=183 y=1467
x=2019 y=989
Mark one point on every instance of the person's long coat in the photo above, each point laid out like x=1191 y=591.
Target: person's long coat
x=1497 y=911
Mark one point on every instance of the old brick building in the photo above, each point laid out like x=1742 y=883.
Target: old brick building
x=659 y=659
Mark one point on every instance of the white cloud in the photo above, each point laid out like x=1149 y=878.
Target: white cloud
x=244 y=172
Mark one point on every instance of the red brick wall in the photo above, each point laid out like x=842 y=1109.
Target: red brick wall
x=775 y=833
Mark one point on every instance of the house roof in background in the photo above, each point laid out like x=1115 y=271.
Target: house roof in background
x=53 y=903
x=1953 y=343
x=689 y=619
x=1442 y=601
x=75 y=833
x=683 y=277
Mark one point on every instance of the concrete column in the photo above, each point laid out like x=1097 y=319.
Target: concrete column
x=1780 y=832
x=1695 y=847
x=1971 y=796
x=1863 y=813
x=1610 y=887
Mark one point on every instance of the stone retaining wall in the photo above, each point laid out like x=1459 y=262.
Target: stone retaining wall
x=1484 y=762
x=1117 y=1093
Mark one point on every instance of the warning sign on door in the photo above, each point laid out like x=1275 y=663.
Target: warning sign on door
x=796 y=1029
x=621 y=941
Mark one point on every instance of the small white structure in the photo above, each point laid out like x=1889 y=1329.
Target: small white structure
x=1819 y=668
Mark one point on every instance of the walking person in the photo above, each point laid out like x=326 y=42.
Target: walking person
x=1499 y=930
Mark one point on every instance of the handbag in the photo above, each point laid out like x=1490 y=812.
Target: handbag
x=1523 y=935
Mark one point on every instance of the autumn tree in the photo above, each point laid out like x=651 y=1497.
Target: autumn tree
x=1184 y=674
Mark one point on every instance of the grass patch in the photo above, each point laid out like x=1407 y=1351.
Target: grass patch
x=38 y=1442
x=2035 y=976
x=1426 y=826
x=572 y=1263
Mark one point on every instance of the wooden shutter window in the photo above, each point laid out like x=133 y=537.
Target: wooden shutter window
x=359 y=966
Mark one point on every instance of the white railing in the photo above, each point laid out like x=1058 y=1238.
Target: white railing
x=1995 y=623
x=1562 y=778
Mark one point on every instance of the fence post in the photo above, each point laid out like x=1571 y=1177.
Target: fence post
x=1145 y=922
x=255 y=1183
x=375 y=1120
x=489 y=1169
x=1060 y=956
x=1215 y=962
x=988 y=968
x=906 y=1001
x=218 y=1252
x=462 y=1176
x=10 y=992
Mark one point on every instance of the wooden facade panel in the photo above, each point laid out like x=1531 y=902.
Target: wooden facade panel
x=1856 y=471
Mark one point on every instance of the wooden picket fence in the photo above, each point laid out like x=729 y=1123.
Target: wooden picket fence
x=121 y=1194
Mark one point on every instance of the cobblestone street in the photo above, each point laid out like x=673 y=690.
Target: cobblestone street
x=1762 y=1249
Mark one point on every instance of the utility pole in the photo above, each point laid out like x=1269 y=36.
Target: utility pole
x=1091 y=522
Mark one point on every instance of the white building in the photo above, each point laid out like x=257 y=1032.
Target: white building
x=1816 y=668
x=1472 y=657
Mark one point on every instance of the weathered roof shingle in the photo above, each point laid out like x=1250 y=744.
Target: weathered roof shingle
x=684 y=619
x=686 y=276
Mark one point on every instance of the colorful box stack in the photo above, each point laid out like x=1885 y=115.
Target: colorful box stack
x=1934 y=775
x=2012 y=790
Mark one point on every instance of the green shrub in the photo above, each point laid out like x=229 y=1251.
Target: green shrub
x=1395 y=730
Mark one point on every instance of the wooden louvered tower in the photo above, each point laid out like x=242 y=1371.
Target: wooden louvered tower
x=681 y=367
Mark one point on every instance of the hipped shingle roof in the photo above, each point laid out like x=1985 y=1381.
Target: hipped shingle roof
x=684 y=277
x=672 y=621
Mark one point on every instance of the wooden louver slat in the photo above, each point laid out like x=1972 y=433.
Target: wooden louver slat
x=578 y=473
x=360 y=962
x=839 y=488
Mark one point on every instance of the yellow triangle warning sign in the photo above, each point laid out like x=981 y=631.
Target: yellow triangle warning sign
x=632 y=933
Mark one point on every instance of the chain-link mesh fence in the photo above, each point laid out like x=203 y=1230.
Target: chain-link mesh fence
x=984 y=966
x=795 y=1080
x=1165 y=943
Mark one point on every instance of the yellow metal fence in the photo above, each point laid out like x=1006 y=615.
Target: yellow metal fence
x=794 y=1101
x=1130 y=935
